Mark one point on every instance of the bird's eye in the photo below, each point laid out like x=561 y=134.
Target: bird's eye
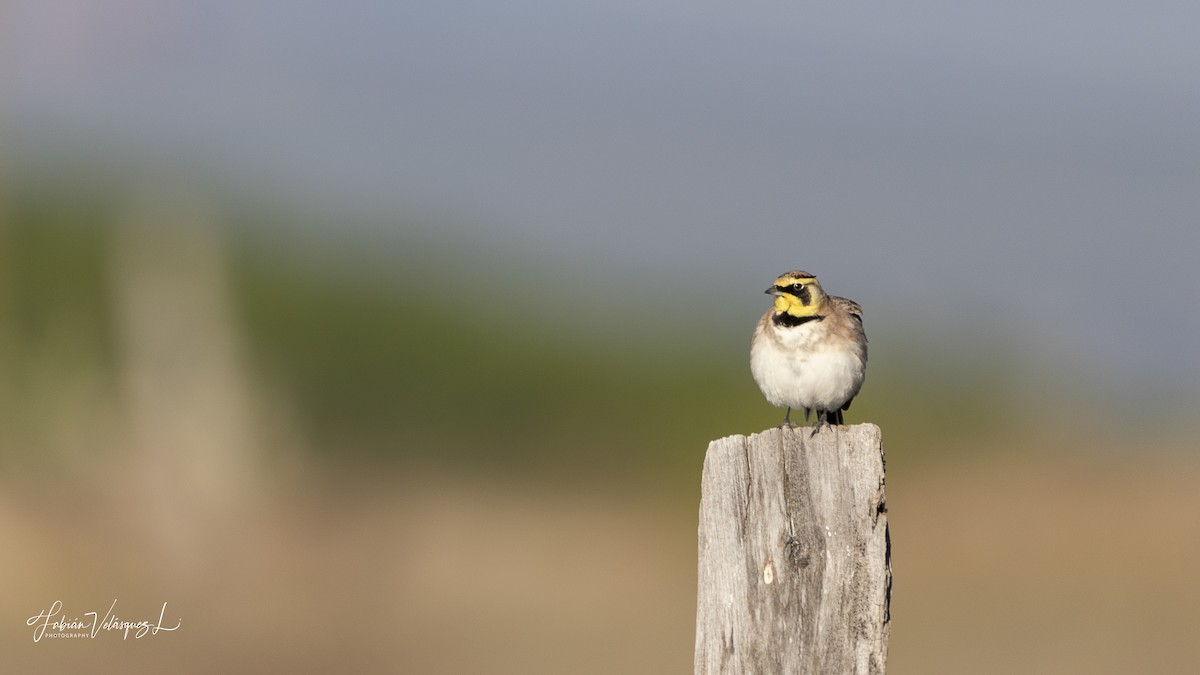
x=797 y=287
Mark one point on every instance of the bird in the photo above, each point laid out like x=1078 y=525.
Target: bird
x=809 y=350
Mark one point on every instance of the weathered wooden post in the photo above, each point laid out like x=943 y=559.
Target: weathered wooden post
x=795 y=571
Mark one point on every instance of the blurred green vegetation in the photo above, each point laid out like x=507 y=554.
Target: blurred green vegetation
x=378 y=348
x=55 y=306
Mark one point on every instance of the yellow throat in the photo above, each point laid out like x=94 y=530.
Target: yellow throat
x=790 y=304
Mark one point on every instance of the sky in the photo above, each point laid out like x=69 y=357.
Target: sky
x=1026 y=165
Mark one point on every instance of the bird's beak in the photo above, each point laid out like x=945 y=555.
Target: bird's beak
x=773 y=291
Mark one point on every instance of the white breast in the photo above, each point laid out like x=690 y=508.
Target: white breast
x=802 y=370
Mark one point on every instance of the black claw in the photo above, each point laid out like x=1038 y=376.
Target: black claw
x=826 y=418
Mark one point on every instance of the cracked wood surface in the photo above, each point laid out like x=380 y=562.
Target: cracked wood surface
x=794 y=569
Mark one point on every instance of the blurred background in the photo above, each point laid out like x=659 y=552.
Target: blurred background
x=389 y=337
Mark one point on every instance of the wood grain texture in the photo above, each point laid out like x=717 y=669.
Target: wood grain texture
x=794 y=570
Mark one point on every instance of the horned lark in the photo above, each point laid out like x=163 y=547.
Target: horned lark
x=809 y=351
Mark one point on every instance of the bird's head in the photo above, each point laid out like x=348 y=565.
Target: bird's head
x=798 y=293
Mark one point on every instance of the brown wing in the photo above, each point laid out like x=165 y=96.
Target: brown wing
x=850 y=306
x=854 y=310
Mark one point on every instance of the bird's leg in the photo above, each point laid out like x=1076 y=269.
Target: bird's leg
x=787 y=419
x=806 y=412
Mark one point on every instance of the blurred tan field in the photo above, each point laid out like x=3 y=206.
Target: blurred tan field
x=1002 y=565
x=316 y=463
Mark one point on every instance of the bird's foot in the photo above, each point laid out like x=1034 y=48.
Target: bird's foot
x=822 y=421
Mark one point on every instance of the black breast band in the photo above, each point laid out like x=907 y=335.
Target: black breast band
x=785 y=319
